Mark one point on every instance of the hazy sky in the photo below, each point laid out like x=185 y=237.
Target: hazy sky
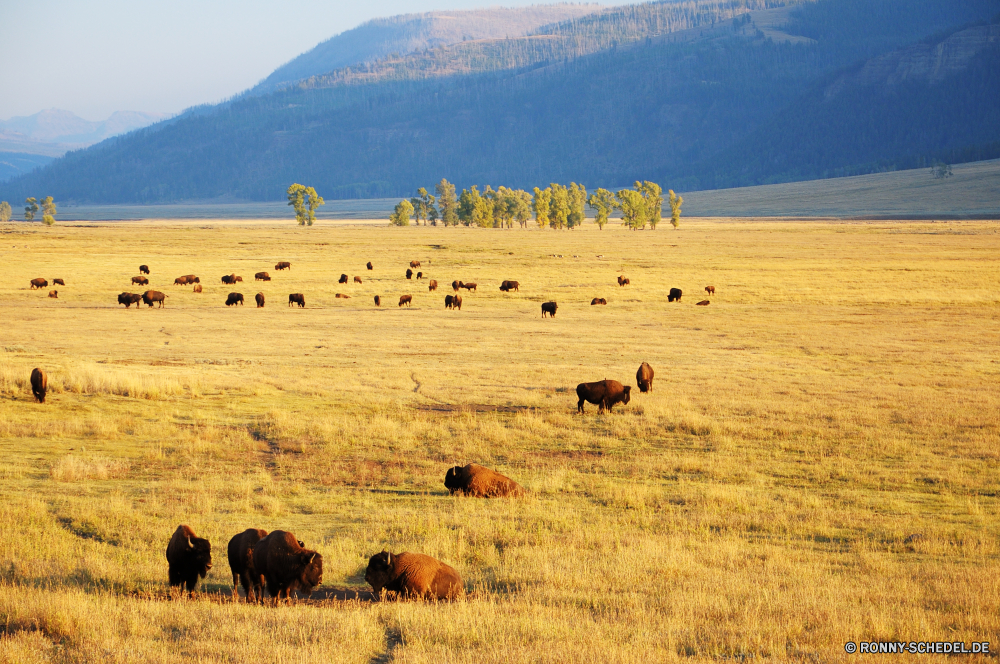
x=94 y=57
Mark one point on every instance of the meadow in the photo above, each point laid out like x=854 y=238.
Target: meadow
x=817 y=462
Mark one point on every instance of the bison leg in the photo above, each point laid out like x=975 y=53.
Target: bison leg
x=579 y=405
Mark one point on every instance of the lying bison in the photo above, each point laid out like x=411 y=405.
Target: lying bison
x=623 y=281
x=240 y=552
x=283 y=265
x=480 y=482
x=549 y=308
x=453 y=302
x=598 y=300
x=710 y=290
x=604 y=393
x=342 y=296
x=53 y=294
x=151 y=296
x=234 y=298
x=378 y=301
x=39 y=384
x=188 y=557
x=196 y=289
x=39 y=283
x=143 y=269
x=413 y=575
x=703 y=303
x=432 y=285
x=508 y=286
x=58 y=282
x=259 y=297
x=297 y=298
x=286 y=566
x=140 y=281
x=262 y=276
x=644 y=378
x=674 y=295
x=405 y=299
x=128 y=299
x=343 y=279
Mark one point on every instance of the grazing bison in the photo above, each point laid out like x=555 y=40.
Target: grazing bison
x=378 y=301
x=549 y=308
x=405 y=299
x=240 y=552
x=710 y=290
x=140 y=281
x=39 y=384
x=470 y=287
x=259 y=297
x=357 y=279
x=188 y=557
x=703 y=303
x=229 y=279
x=369 y=266
x=180 y=281
x=53 y=293
x=286 y=566
x=196 y=289
x=432 y=285
x=297 y=298
x=262 y=276
x=58 y=282
x=151 y=296
x=604 y=393
x=413 y=575
x=455 y=285
x=283 y=265
x=39 y=283
x=509 y=286
x=453 y=302
x=644 y=378
x=598 y=300
x=674 y=295
x=420 y=275
x=128 y=299
x=623 y=281
x=409 y=273
x=234 y=298
x=414 y=263
x=143 y=269
x=343 y=279
x=479 y=482
x=342 y=296
x=187 y=279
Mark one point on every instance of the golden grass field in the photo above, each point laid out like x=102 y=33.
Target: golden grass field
x=819 y=460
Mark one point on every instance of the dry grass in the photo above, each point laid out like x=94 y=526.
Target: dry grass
x=837 y=397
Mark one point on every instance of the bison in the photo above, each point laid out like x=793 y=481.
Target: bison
x=598 y=300
x=151 y=296
x=549 y=308
x=674 y=295
x=432 y=285
x=405 y=299
x=196 y=289
x=240 y=552
x=259 y=297
x=480 y=482
x=470 y=287
x=409 y=273
x=262 y=276
x=180 y=281
x=140 y=281
x=53 y=293
x=343 y=279
x=188 y=557
x=234 y=298
x=58 y=282
x=143 y=269
x=453 y=302
x=297 y=298
x=39 y=384
x=455 y=285
x=128 y=299
x=623 y=281
x=644 y=378
x=413 y=575
x=357 y=279
x=420 y=275
x=508 y=286
x=369 y=266
x=229 y=279
x=341 y=296
x=283 y=265
x=378 y=301
x=414 y=263
x=604 y=393
x=703 y=303
x=710 y=290
x=286 y=566
x=39 y=283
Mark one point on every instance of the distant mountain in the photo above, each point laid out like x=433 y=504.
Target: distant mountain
x=58 y=126
x=13 y=164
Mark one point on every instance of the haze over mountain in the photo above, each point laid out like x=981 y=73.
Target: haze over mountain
x=693 y=93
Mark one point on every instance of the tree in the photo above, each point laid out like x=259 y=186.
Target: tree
x=446 y=199
x=577 y=204
x=522 y=207
x=603 y=201
x=419 y=209
x=5 y=211
x=48 y=211
x=30 y=208
x=675 y=208
x=467 y=205
x=653 y=193
x=430 y=211
x=941 y=170
x=401 y=215
x=540 y=204
x=304 y=200
x=633 y=207
x=559 y=206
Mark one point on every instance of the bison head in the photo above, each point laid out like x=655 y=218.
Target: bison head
x=451 y=481
x=200 y=554
x=311 y=573
x=379 y=572
x=628 y=394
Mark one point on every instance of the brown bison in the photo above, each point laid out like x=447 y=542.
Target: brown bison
x=58 y=282
x=414 y=263
x=413 y=575
x=262 y=276
x=378 y=301
x=128 y=299
x=259 y=297
x=470 y=287
x=357 y=279
x=549 y=308
x=420 y=275
x=180 y=281
x=53 y=293
x=604 y=393
x=369 y=266
x=196 y=289
x=140 y=281
x=341 y=296
x=143 y=269
x=188 y=557
x=187 y=279
x=39 y=283
x=229 y=279
x=343 y=279
x=453 y=302
x=710 y=290
x=151 y=296
x=286 y=566
x=480 y=482
x=405 y=299
x=509 y=286
x=409 y=273
x=623 y=281
x=240 y=552
x=432 y=285
x=234 y=298
x=283 y=265
x=644 y=378
x=39 y=384
x=703 y=303
x=674 y=295
x=297 y=298
x=598 y=300
x=455 y=285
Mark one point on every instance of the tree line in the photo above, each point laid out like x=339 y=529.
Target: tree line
x=31 y=208
x=557 y=206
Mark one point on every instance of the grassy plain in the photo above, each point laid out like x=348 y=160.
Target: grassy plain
x=818 y=462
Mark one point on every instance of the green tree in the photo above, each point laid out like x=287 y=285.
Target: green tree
x=430 y=209
x=577 y=205
x=30 y=208
x=633 y=207
x=540 y=204
x=482 y=211
x=559 y=207
x=304 y=200
x=467 y=204
x=653 y=193
x=675 y=208
x=522 y=207
x=48 y=211
x=5 y=211
x=603 y=202
x=401 y=214
x=419 y=207
x=446 y=199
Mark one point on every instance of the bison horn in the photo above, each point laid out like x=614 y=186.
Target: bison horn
x=190 y=545
x=312 y=558
x=388 y=559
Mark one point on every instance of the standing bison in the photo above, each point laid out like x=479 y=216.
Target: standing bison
x=229 y=279
x=549 y=308
x=283 y=265
x=453 y=302
x=58 y=282
x=286 y=566
x=674 y=295
x=604 y=393
x=151 y=296
x=508 y=286
x=623 y=281
x=259 y=297
x=480 y=482
x=455 y=285
x=39 y=384
x=644 y=378
x=143 y=269
x=405 y=299
x=357 y=279
x=710 y=290
x=343 y=279
x=432 y=285
x=297 y=298
x=414 y=263
x=413 y=575
x=128 y=299
x=39 y=283
x=234 y=298
x=369 y=266
x=409 y=273
x=471 y=286
x=262 y=276
x=188 y=557
x=140 y=281
x=378 y=301
x=240 y=553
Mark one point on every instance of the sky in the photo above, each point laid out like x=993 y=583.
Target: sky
x=95 y=57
